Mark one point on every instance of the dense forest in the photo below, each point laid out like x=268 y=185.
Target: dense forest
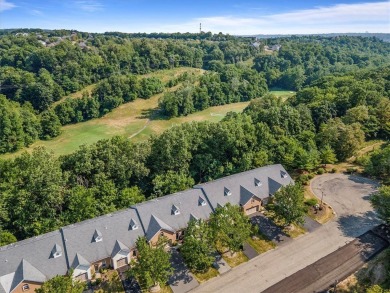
x=38 y=68
x=342 y=100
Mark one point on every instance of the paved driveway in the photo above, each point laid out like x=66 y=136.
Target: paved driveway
x=249 y=251
x=182 y=280
x=348 y=195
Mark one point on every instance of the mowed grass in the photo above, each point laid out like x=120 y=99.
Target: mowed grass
x=203 y=277
x=132 y=119
x=233 y=261
x=282 y=93
x=164 y=75
x=129 y=120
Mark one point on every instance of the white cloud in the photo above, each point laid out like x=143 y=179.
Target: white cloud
x=89 y=5
x=373 y=17
x=36 y=12
x=4 y=5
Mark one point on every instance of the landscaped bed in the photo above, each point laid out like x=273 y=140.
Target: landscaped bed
x=110 y=282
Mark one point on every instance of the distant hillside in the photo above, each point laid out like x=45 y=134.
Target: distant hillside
x=382 y=36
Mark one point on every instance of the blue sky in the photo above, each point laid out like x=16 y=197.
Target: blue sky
x=227 y=16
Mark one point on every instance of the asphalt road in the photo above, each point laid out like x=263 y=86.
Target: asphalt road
x=349 y=198
x=321 y=275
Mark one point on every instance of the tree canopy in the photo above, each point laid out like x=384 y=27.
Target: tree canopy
x=153 y=267
x=289 y=204
x=230 y=227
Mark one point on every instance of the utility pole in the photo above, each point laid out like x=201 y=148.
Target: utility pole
x=322 y=197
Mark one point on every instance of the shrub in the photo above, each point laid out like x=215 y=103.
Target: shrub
x=311 y=202
x=310 y=176
x=304 y=179
x=363 y=160
x=334 y=170
x=351 y=170
x=321 y=171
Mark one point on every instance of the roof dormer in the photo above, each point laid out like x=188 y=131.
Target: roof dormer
x=56 y=251
x=133 y=225
x=227 y=192
x=258 y=182
x=202 y=202
x=175 y=210
x=283 y=174
x=97 y=236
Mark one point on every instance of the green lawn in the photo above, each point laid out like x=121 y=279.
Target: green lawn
x=130 y=120
x=236 y=260
x=262 y=244
x=127 y=120
x=281 y=93
x=209 y=274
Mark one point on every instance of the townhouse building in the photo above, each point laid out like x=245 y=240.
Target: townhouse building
x=109 y=241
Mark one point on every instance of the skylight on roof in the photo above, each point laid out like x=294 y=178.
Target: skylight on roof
x=227 y=192
x=202 y=202
x=258 y=182
x=283 y=174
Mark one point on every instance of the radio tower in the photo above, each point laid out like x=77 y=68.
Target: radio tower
x=200 y=28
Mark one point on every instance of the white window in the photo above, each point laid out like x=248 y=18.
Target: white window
x=25 y=287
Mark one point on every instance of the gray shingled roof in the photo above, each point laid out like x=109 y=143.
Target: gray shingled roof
x=260 y=182
x=80 y=262
x=157 y=214
x=37 y=251
x=80 y=237
x=24 y=272
x=119 y=247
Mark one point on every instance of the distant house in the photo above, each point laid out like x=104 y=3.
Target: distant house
x=110 y=240
x=272 y=48
x=106 y=241
x=256 y=45
x=25 y=265
x=169 y=215
x=250 y=189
